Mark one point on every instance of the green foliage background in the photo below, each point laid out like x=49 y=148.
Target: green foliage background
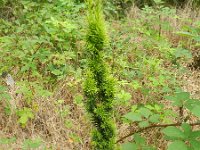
x=49 y=47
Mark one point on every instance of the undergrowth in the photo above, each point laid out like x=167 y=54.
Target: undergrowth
x=153 y=54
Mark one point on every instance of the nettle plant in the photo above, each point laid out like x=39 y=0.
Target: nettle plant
x=151 y=116
x=99 y=85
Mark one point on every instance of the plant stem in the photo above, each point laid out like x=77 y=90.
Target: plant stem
x=154 y=126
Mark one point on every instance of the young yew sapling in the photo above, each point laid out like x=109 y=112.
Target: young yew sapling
x=99 y=84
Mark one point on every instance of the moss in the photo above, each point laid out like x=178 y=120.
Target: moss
x=99 y=84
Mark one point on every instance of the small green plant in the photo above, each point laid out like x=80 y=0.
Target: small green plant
x=31 y=144
x=7 y=140
x=99 y=85
x=139 y=143
x=150 y=116
x=183 y=138
x=5 y=98
x=4 y=94
x=24 y=115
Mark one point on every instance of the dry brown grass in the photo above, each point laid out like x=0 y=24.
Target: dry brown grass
x=48 y=123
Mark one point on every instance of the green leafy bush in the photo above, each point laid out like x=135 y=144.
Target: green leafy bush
x=38 y=46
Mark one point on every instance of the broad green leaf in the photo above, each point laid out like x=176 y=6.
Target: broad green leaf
x=133 y=116
x=172 y=98
x=196 y=111
x=179 y=98
x=177 y=145
x=187 y=129
x=183 y=53
x=145 y=112
x=176 y=102
x=148 y=147
x=139 y=139
x=143 y=124
x=155 y=118
x=189 y=104
x=195 y=134
x=183 y=96
x=173 y=132
x=129 y=146
x=195 y=144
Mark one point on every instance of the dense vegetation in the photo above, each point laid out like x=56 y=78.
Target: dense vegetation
x=128 y=79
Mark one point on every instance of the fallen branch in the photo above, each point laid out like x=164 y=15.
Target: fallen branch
x=154 y=126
